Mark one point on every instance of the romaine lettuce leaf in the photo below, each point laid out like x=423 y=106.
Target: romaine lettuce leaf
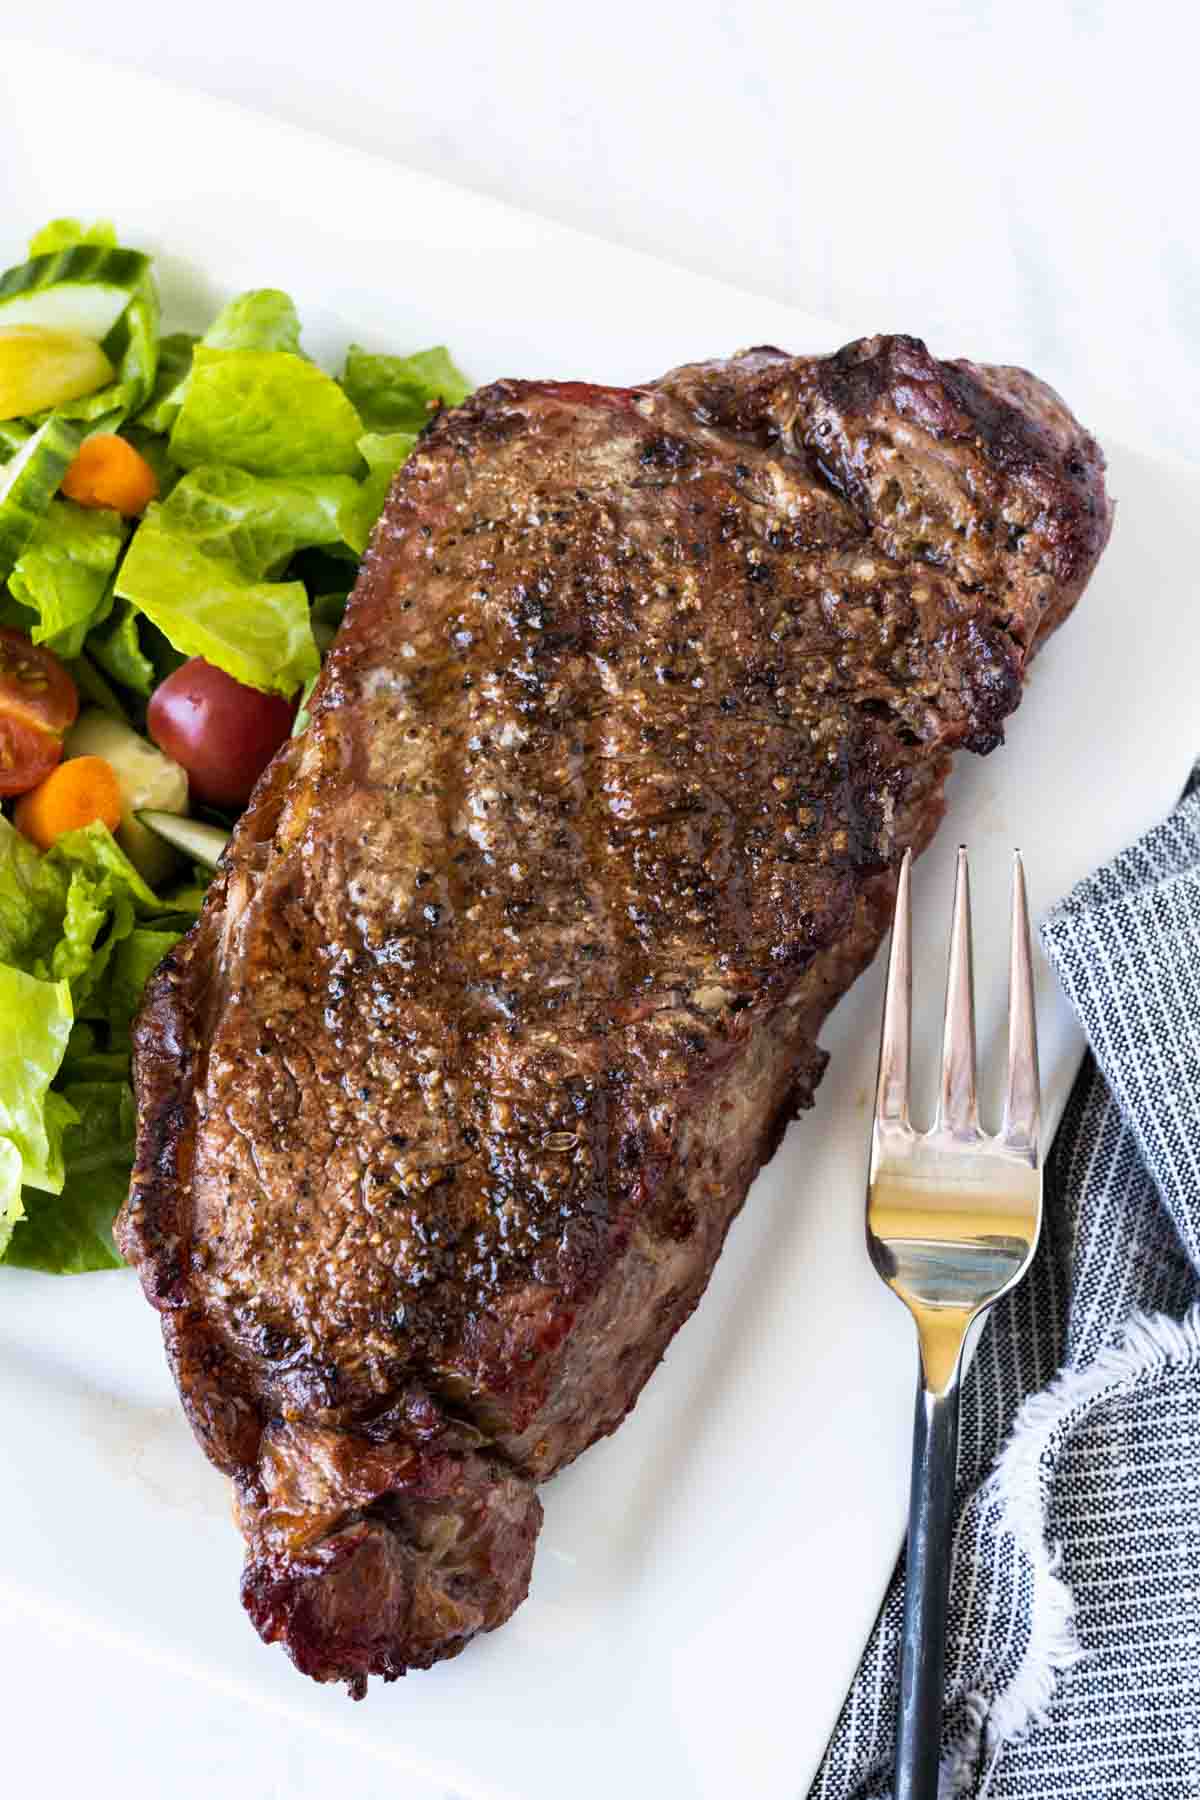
x=262 y=319
x=174 y=366
x=132 y=347
x=12 y=613
x=186 y=900
x=94 y=849
x=258 y=632
x=63 y=914
x=399 y=393
x=268 y=411
x=94 y=689
x=117 y=647
x=98 y=1065
x=33 y=899
x=153 y=447
x=161 y=653
x=103 y=896
x=87 y=932
x=71 y=1232
x=383 y=453
x=86 y=913
x=60 y=234
x=11 y=1208
x=63 y=573
x=136 y=959
x=328 y=611
x=37 y=1019
x=256 y=522
x=13 y=433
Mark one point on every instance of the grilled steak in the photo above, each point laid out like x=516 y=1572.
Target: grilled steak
x=512 y=975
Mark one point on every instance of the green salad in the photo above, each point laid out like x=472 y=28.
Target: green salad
x=180 y=525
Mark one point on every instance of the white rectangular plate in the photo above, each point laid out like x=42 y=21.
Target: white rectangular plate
x=706 y=1579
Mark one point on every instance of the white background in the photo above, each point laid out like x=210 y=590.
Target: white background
x=1014 y=182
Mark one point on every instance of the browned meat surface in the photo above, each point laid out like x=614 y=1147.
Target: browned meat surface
x=513 y=974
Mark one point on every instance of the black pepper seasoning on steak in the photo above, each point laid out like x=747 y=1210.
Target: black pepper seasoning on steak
x=513 y=974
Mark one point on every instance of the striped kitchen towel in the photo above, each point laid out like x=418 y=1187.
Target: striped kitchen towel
x=1073 y=1665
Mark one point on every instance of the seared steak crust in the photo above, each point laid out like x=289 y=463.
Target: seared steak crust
x=513 y=973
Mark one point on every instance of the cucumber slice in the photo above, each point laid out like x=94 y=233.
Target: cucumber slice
x=147 y=780
x=203 y=843
x=83 y=289
x=13 y=433
x=132 y=345
x=132 y=348
x=28 y=483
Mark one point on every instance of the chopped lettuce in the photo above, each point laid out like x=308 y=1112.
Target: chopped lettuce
x=94 y=689
x=14 y=433
x=85 y=1060
x=73 y=958
x=136 y=959
x=161 y=409
x=328 y=611
x=258 y=632
x=94 y=848
x=132 y=347
x=63 y=574
x=303 y=710
x=256 y=522
x=161 y=653
x=12 y=1209
x=263 y=319
x=33 y=898
x=153 y=447
x=80 y=933
x=60 y=234
x=71 y=1232
x=383 y=453
x=268 y=411
x=117 y=647
x=37 y=1023
x=398 y=393
x=52 y=906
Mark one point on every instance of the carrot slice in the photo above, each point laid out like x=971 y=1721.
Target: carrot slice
x=77 y=793
x=107 y=471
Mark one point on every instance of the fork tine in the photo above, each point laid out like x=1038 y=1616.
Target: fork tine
x=891 y=1097
x=1022 y=1104
x=958 y=1106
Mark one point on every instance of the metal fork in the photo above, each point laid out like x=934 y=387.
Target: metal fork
x=953 y=1217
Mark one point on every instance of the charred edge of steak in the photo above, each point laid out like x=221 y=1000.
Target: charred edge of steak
x=980 y=472
x=148 y=1230
x=1053 y=521
x=373 y=1559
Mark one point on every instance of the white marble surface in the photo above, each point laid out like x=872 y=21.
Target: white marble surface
x=1013 y=181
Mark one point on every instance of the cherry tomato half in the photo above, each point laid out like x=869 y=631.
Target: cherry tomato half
x=222 y=733
x=38 y=702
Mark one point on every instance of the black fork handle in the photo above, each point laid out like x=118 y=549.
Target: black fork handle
x=930 y=1537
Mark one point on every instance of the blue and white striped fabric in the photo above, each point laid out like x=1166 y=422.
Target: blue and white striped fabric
x=1073 y=1667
